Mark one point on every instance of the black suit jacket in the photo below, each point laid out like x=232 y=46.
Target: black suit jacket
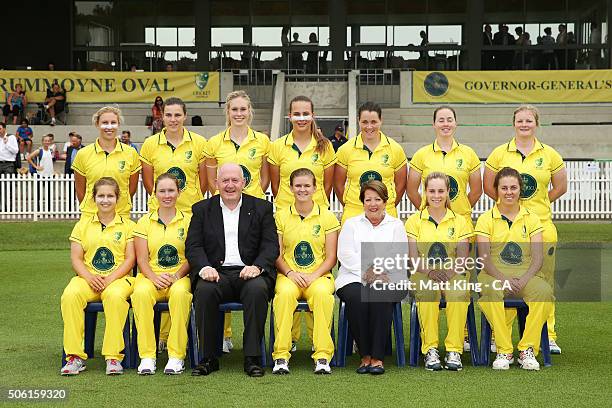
x=257 y=237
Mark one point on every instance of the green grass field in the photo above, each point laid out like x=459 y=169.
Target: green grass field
x=36 y=268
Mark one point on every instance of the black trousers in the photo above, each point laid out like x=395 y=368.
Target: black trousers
x=254 y=294
x=369 y=321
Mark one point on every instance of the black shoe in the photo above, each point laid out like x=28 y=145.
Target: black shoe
x=206 y=366
x=252 y=367
x=364 y=369
x=377 y=370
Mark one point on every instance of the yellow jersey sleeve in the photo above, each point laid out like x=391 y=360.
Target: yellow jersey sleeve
x=146 y=151
x=275 y=152
x=474 y=161
x=534 y=226
x=399 y=157
x=464 y=228
x=77 y=235
x=493 y=161
x=343 y=155
x=330 y=222
x=200 y=147
x=135 y=159
x=141 y=230
x=329 y=156
x=417 y=161
x=484 y=225
x=556 y=161
x=413 y=225
x=280 y=222
x=129 y=230
x=265 y=142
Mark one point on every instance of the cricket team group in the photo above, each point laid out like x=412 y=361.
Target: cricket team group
x=236 y=246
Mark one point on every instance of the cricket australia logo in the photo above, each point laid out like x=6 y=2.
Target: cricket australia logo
x=201 y=80
x=539 y=161
x=303 y=254
x=316 y=229
x=524 y=231
x=188 y=155
x=252 y=152
x=167 y=256
x=181 y=233
x=385 y=159
x=314 y=158
x=459 y=163
x=512 y=254
x=121 y=165
x=103 y=260
x=451 y=231
x=118 y=236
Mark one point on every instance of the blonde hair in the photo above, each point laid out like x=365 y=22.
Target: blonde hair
x=323 y=143
x=95 y=119
x=433 y=176
x=529 y=108
x=234 y=95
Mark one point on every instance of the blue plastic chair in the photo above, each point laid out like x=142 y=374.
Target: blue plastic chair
x=345 y=340
x=415 y=334
x=233 y=307
x=91 y=318
x=192 y=341
x=302 y=306
x=522 y=310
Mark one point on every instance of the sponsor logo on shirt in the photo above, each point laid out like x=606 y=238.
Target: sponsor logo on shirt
x=167 y=256
x=103 y=260
x=530 y=186
x=512 y=254
x=180 y=176
x=303 y=254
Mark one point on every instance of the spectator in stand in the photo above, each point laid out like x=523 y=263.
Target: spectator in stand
x=55 y=101
x=503 y=58
x=169 y=67
x=338 y=139
x=25 y=136
x=562 y=41
x=548 y=55
x=51 y=66
x=595 y=54
x=133 y=68
x=157 y=113
x=572 y=53
x=125 y=139
x=16 y=103
x=76 y=144
x=8 y=151
x=487 y=55
x=41 y=160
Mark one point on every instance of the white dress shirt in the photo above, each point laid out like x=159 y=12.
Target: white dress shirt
x=8 y=149
x=357 y=230
x=230 y=227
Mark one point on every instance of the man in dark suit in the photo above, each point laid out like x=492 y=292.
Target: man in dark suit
x=231 y=247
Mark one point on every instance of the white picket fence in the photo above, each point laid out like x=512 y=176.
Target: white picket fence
x=589 y=196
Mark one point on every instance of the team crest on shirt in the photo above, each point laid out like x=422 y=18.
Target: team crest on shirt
x=180 y=176
x=118 y=236
x=369 y=176
x=454 y=188
x=246 y=174
x=459 y=163
x=121 y=165
x=303 y=254
x=385 y=159
x=437 y=250
x=181 y=233
x=451 y=231
x=316 y=229
x=252 y=152
x=188 y=155
x=103 y=260
x=512 y=254
x=530 y=186
x=314 y=158
x=538 y=162
x=167 y=256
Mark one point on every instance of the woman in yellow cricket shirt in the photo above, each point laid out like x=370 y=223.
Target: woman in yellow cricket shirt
x=240 y=144
x=370 y=156
x=436 y=234
x=458 y=161
x=102 y=254
x=304 y=147
x=308 y=237
x=159 y=238
x=540 y=166
x=180 y=152
x=107 y=157
x=509 y=240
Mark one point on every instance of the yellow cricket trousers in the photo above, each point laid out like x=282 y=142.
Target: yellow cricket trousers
x=114 y=299
x=539 y=297
x=320 y=298
x=428 y=301
x=178 y=297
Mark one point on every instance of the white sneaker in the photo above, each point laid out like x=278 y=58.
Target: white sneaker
x=493 y=346
x=174 y=366
x=227 y=345
x=432 y=360
x=503 y=361
x=322 y=366
x=281 y=366
x=74 y=365
x=147 y=366
x=554 y=347
x=453 y=361
x=527 y=360
x=113 y=367
x=293 y=347
x=466 y=345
